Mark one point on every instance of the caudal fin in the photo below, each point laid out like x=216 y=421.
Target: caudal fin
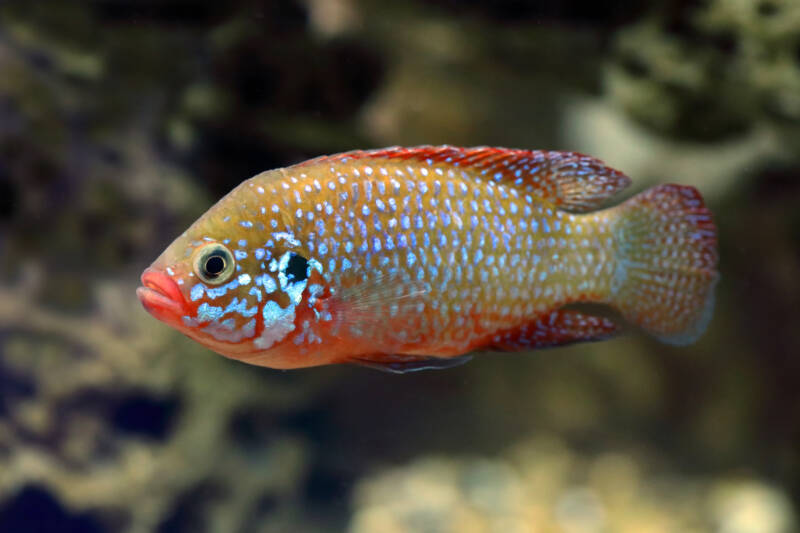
x=666 y=267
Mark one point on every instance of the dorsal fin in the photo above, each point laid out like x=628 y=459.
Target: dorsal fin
x=572 y=181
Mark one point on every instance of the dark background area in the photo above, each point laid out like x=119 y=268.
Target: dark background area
x=122 y=121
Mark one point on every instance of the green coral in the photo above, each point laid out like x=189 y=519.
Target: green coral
x=712 y=70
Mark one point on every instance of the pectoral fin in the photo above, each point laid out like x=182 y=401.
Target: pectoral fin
x=362 y=308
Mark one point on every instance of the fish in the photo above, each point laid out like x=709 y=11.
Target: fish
x=404 y=259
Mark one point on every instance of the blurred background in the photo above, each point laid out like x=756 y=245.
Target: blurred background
x=121 y=121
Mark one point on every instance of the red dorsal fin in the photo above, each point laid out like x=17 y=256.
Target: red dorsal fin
x=572 y=181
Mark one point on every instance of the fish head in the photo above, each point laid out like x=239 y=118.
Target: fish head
x=234 y=284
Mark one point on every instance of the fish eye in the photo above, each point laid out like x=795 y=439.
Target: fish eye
x=213 y=263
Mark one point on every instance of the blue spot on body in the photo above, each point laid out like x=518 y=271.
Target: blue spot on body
x=207 y=313
x=197 y=292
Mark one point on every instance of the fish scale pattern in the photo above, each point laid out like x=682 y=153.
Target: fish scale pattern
x=488 y=253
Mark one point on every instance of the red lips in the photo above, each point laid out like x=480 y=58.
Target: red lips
x=161 y=296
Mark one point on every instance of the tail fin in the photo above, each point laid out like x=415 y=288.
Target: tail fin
x=666 y=266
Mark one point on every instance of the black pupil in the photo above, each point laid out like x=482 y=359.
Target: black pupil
x=215 y=264
x=297 y=269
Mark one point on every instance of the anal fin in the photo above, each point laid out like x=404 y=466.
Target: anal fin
x=560 y=327
x=403 y=364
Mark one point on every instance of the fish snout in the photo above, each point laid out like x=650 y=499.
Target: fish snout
x=161 y=296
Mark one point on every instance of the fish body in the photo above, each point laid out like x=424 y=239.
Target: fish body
x=409 y=258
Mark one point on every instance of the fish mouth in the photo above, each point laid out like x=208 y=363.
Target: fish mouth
x=160 y=296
